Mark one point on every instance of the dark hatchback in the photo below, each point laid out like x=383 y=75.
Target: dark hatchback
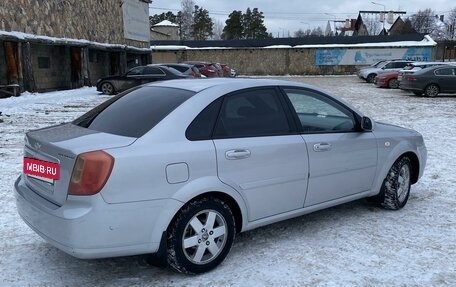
x=431 y=81
x=137 y=76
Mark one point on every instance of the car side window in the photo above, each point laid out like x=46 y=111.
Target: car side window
x=252 y=113
x=202 y=126
x=153 y=71
x=319 y=114
x=445 y=72
x=389 y=66
x=136 y=71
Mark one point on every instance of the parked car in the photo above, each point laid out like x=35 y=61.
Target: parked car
x=374 y=65
x=431 y=81
x=179 y=167
x=416 y=66
x=135 y=77
x=219 y=69
x=387 y=80
x=186 y=69
x=227 y=71
x=207 y=69
x=369 y=74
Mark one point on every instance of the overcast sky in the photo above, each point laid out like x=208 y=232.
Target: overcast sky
x=287 y=16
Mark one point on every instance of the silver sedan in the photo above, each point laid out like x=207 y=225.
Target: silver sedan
x=177 y=168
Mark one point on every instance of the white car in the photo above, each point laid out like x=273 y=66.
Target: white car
x=369 y=74
x=178 y=167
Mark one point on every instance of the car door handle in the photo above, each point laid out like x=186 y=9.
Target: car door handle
x=322 y=147
x=237 y=154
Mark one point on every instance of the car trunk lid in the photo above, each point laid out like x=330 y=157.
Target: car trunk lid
x=61 y=145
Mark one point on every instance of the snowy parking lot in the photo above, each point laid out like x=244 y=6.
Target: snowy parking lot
x=355 y=244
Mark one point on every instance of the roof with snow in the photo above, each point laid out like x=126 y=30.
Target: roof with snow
x=165 y=23
x=376 y=21
x=19 y=36
x=409 y=40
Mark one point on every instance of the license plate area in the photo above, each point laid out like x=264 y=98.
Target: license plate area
x=42 y=170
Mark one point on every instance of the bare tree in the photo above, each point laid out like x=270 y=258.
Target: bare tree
x=424 y=21
x=217 y=29
x=300 y=34
x=451 y=23
x=373 y=26
x=186 y=19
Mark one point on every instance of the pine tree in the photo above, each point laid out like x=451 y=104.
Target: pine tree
x=253 y=24
x=202 y=24
x=234 y=26
x=185 y=19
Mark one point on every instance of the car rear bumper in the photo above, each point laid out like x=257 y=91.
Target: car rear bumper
x=88 y=227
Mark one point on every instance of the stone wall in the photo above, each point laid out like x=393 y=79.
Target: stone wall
x=257 y=61
x=93 y=20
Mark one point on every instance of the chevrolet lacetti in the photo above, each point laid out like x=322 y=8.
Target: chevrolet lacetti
x=177 y=168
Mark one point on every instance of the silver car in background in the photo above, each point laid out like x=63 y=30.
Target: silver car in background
x=177 y=168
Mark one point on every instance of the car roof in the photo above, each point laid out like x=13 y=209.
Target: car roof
x=433 y=68
x=197 y=85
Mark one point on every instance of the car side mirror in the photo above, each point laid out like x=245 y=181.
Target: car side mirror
x=366 y=124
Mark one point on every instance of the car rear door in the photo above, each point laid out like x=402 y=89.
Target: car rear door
x=342 y=159
x=259 y=153
x=152 y=74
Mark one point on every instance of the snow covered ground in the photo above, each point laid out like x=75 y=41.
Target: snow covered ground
x=353 y=244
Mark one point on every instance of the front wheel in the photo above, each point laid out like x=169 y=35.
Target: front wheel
x=201 y=236
x=395 y=189
x=371 y=78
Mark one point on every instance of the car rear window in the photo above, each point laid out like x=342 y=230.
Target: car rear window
x=134 y=112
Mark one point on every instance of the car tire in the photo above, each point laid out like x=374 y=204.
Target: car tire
x=370 y=78
x=201 y=236
x=395 y=189
x=393 y=84
x=107 y=88
x=432 y=90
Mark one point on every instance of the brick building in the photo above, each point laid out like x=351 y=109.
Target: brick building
x=63 y=44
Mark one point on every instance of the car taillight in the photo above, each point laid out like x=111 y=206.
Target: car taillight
x=192 y=74
x=90 y=173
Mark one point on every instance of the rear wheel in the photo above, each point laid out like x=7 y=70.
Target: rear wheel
x=395 y=189
x=107 y=88
x=370 y=78
x=201 y=236
x=432 y=90
x=393 y=84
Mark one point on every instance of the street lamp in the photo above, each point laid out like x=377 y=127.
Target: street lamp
x=384 y=11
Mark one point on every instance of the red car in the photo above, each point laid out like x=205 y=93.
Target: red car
x=387 y=80
x=206 y=68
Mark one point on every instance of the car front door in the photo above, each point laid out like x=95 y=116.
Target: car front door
x=131 y=79
x=259 y=152
x=446 y=79
x=342 y=159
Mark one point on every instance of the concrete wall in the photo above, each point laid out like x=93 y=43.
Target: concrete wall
x=257 y=61
x=93 y=20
